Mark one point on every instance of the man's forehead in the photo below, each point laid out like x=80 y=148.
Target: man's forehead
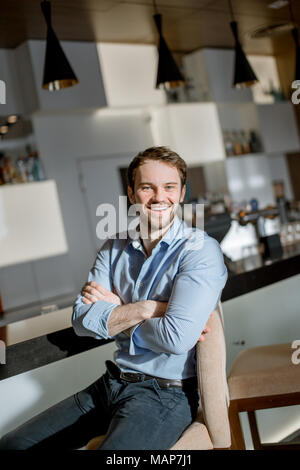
x=157 y=170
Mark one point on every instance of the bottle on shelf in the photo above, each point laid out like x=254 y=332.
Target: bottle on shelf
x=38 y=168
x=237 y=146
x=21 y=165
x=245 y=142
x=228 y=144
x=255 y=143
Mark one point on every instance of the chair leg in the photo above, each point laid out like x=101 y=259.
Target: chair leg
x=237 y=437
x=254 y=431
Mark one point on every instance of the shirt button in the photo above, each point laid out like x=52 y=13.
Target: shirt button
x=141 y=284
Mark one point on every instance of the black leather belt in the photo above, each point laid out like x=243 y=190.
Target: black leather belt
x=186 y=384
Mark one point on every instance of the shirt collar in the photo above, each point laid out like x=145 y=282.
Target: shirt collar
x=175 y=232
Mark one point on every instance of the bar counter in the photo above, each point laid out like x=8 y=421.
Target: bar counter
x=245 y=276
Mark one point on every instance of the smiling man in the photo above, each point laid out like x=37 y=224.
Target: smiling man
x=153 y=295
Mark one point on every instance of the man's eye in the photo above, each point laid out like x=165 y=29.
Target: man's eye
x=169 y=187
x=146 y=187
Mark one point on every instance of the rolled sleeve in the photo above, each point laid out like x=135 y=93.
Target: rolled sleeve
x=97 y=318
x=92 y=319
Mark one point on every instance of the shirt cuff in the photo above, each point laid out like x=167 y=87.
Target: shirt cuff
x=97 y=317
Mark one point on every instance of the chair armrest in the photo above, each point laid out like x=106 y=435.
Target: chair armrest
x=213 y=389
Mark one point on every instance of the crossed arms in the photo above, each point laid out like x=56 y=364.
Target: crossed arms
x=172 y=327
x=124 y=317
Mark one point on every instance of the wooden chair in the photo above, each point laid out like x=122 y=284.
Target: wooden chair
x=211 y=428
x=260 y=378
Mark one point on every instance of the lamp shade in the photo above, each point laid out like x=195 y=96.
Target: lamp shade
x=243 y=73
x=168 y=74
x=295 y=34
x=58 y=72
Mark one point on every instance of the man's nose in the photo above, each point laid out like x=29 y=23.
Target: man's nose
x=158 y=195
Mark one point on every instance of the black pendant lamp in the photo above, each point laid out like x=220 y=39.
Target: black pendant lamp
x=58 y=73
x=295 y=34
x=168 y=74
x=243 y=73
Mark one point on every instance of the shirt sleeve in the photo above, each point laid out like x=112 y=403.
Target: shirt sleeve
x=195 y=294
x=91 y=319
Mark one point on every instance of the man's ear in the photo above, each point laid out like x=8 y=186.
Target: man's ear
x=182 y=193
x=130 y=195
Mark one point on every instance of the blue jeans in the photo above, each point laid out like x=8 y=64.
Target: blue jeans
x=133 y=416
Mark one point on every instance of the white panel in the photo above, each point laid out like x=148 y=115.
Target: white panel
x=196 y=132
x=83 y=57
x=129 y=74
x=278 y=127
x=31 y=223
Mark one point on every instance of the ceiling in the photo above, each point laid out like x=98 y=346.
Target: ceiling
x=188 y=24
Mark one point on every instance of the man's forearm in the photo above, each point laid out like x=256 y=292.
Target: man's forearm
x=129 y=315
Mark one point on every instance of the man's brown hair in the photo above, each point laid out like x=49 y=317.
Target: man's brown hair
x=162 y=154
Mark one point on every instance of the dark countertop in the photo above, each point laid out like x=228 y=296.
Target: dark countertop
x=245 y=276
x=252 y=273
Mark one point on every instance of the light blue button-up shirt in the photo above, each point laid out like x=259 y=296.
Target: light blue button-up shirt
x=186 y=269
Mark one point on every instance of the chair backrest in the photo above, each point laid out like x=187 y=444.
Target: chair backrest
x=213 y=389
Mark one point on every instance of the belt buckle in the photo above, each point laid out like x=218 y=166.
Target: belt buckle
x=131 y=377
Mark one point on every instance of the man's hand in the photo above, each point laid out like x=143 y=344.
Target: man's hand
x=206 y=330
x=92 y=292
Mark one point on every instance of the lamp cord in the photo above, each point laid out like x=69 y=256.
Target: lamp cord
x=291 y=12
x=231 y=10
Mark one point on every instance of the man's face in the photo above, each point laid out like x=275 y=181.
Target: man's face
x=157 y=187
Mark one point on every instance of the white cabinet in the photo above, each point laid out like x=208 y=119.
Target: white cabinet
x=191 y=129
x=210 y=74
x=31 y=225
x=129 y=73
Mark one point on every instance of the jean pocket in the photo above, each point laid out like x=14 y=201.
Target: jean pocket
x=167 y=396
